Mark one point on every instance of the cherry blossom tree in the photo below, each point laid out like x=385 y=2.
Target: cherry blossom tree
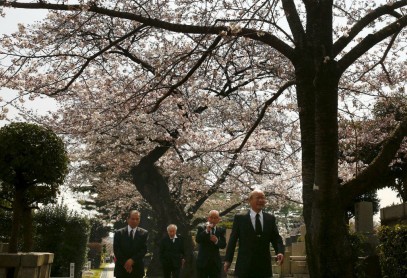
x=185 y=98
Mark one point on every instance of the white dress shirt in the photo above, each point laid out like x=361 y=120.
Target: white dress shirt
x=253 y=218
x=129 y=229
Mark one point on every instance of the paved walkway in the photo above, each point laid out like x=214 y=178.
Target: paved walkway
x=108 y=271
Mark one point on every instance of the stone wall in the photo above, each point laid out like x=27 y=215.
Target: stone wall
x=26 y=265
x=393 y=215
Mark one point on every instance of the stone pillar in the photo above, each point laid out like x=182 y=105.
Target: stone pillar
x=26 y=265
x=364 y=226
x=364 y=217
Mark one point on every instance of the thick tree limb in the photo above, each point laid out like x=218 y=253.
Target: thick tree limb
x=294 y=21
x=258 y=35
x=342 y=42
x=369 y=41
x=367 y=179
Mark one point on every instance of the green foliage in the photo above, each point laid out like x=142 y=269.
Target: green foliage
x=5 y=225
x=226 y=224
x=64 y=233
x=289 y=217
x=33 y=163
x=357 y=242
x=393 y=251
x=98 y=230
x=32 y=155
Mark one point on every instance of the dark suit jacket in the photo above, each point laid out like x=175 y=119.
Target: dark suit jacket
x=208 y=252
x=125 y=248
x=171 y=253
x=253 y=249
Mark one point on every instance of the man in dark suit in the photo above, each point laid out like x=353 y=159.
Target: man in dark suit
x=254 y=231
x=210 y=239
x=172 y=253
x=130 y=247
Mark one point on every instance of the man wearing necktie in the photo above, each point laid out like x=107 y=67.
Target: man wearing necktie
x=254 y=231
x=172 y=253
x=130 y=247
x=210 y=238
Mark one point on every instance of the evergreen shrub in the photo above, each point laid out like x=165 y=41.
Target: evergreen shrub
x=64 y=233
x=392 y=251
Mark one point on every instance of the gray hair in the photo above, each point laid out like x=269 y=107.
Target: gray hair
x=172 y=226
x=214 y=211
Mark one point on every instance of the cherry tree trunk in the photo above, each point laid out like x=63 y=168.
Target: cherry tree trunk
x=152 y=185
x=328 y=248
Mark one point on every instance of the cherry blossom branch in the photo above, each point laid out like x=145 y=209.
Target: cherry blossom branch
x=187 y=76
x=238 y=204
x=369 y=41
x=90 y=59
x=231 y=164
x=258 y=35
x=381 y=61
x=133 y=58
x=342 y=42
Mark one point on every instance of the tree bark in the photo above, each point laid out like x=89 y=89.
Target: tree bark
x=328 y=248
x=306 y=107
x=27 y=229
x=17 y=212
x=153 y=186
x=317 y=78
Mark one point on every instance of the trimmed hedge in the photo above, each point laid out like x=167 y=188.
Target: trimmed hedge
x=393 y=251
x=64 y=233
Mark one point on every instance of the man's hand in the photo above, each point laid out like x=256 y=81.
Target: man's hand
x=209 y=227
x=226 y=266
x=214 y=239
x=128 y=265
x=280 y=258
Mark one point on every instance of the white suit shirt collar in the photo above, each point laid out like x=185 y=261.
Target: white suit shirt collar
x=253 y=218
x=130 y=228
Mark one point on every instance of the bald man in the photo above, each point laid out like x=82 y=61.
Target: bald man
x=254 y=231
x=210 y=238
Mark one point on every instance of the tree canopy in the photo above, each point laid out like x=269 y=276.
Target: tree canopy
x=33 y=164
x=32 y=155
